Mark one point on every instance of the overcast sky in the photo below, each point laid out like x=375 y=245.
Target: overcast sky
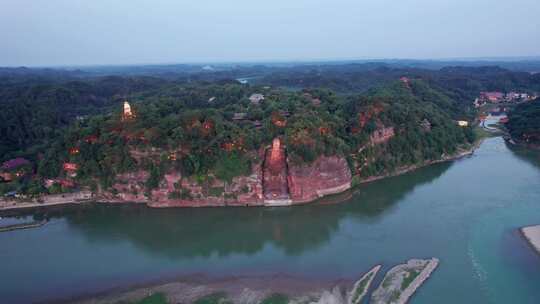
x=82 y=32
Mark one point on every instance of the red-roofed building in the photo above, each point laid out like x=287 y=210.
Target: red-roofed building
x=492 y=96
x=71 y=167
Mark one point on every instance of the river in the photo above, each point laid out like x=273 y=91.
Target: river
x=466 y=213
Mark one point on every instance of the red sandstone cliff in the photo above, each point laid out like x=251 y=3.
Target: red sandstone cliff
x=327 y=175
x=275 y=174
x=273 y=182
x=175 y=191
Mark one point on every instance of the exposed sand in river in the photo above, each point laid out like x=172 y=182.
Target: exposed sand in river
x=532 y=234
x=241 y=289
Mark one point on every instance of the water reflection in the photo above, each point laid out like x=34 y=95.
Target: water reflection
x=223 y=231
x=529 y=155
x=372 y=201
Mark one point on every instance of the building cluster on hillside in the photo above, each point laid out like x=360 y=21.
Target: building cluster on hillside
x=279 y=118
x=498 y=97
x=19 y=170
x=14 y=168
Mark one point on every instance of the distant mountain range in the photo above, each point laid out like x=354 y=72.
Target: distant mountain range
x=524 y=64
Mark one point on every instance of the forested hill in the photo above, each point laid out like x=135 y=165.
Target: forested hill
x=35 y=113
x=215 y=129
x=524 y=123
x=461 y=83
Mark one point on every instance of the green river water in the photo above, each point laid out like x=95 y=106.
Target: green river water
x=466 y=213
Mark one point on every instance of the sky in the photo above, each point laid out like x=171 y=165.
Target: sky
x=102 y=32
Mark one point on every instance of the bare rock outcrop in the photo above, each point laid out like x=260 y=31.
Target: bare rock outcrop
x=326 y=175
x=273 y=181
x=175 y=191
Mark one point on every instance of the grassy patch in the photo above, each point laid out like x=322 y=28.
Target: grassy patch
x=157 y=298
x=214 y=298
x=232 y=165
x=411 y=275
x=394 y=296
x=276 y=299
x=481 y=133
x=387 y=281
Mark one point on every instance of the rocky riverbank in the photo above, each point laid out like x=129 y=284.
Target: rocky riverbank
x=520 y=143
x=532 y=235
x=461 y=153
x=304 y=184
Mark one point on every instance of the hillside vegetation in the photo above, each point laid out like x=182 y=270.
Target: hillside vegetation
x=205 y=129
x=524 y=123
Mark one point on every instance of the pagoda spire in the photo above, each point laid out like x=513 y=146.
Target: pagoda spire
x=127 y=114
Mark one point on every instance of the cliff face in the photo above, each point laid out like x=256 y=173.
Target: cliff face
x=175 y=191
x=273 y=182
x=327 y=175
x=275 y=186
